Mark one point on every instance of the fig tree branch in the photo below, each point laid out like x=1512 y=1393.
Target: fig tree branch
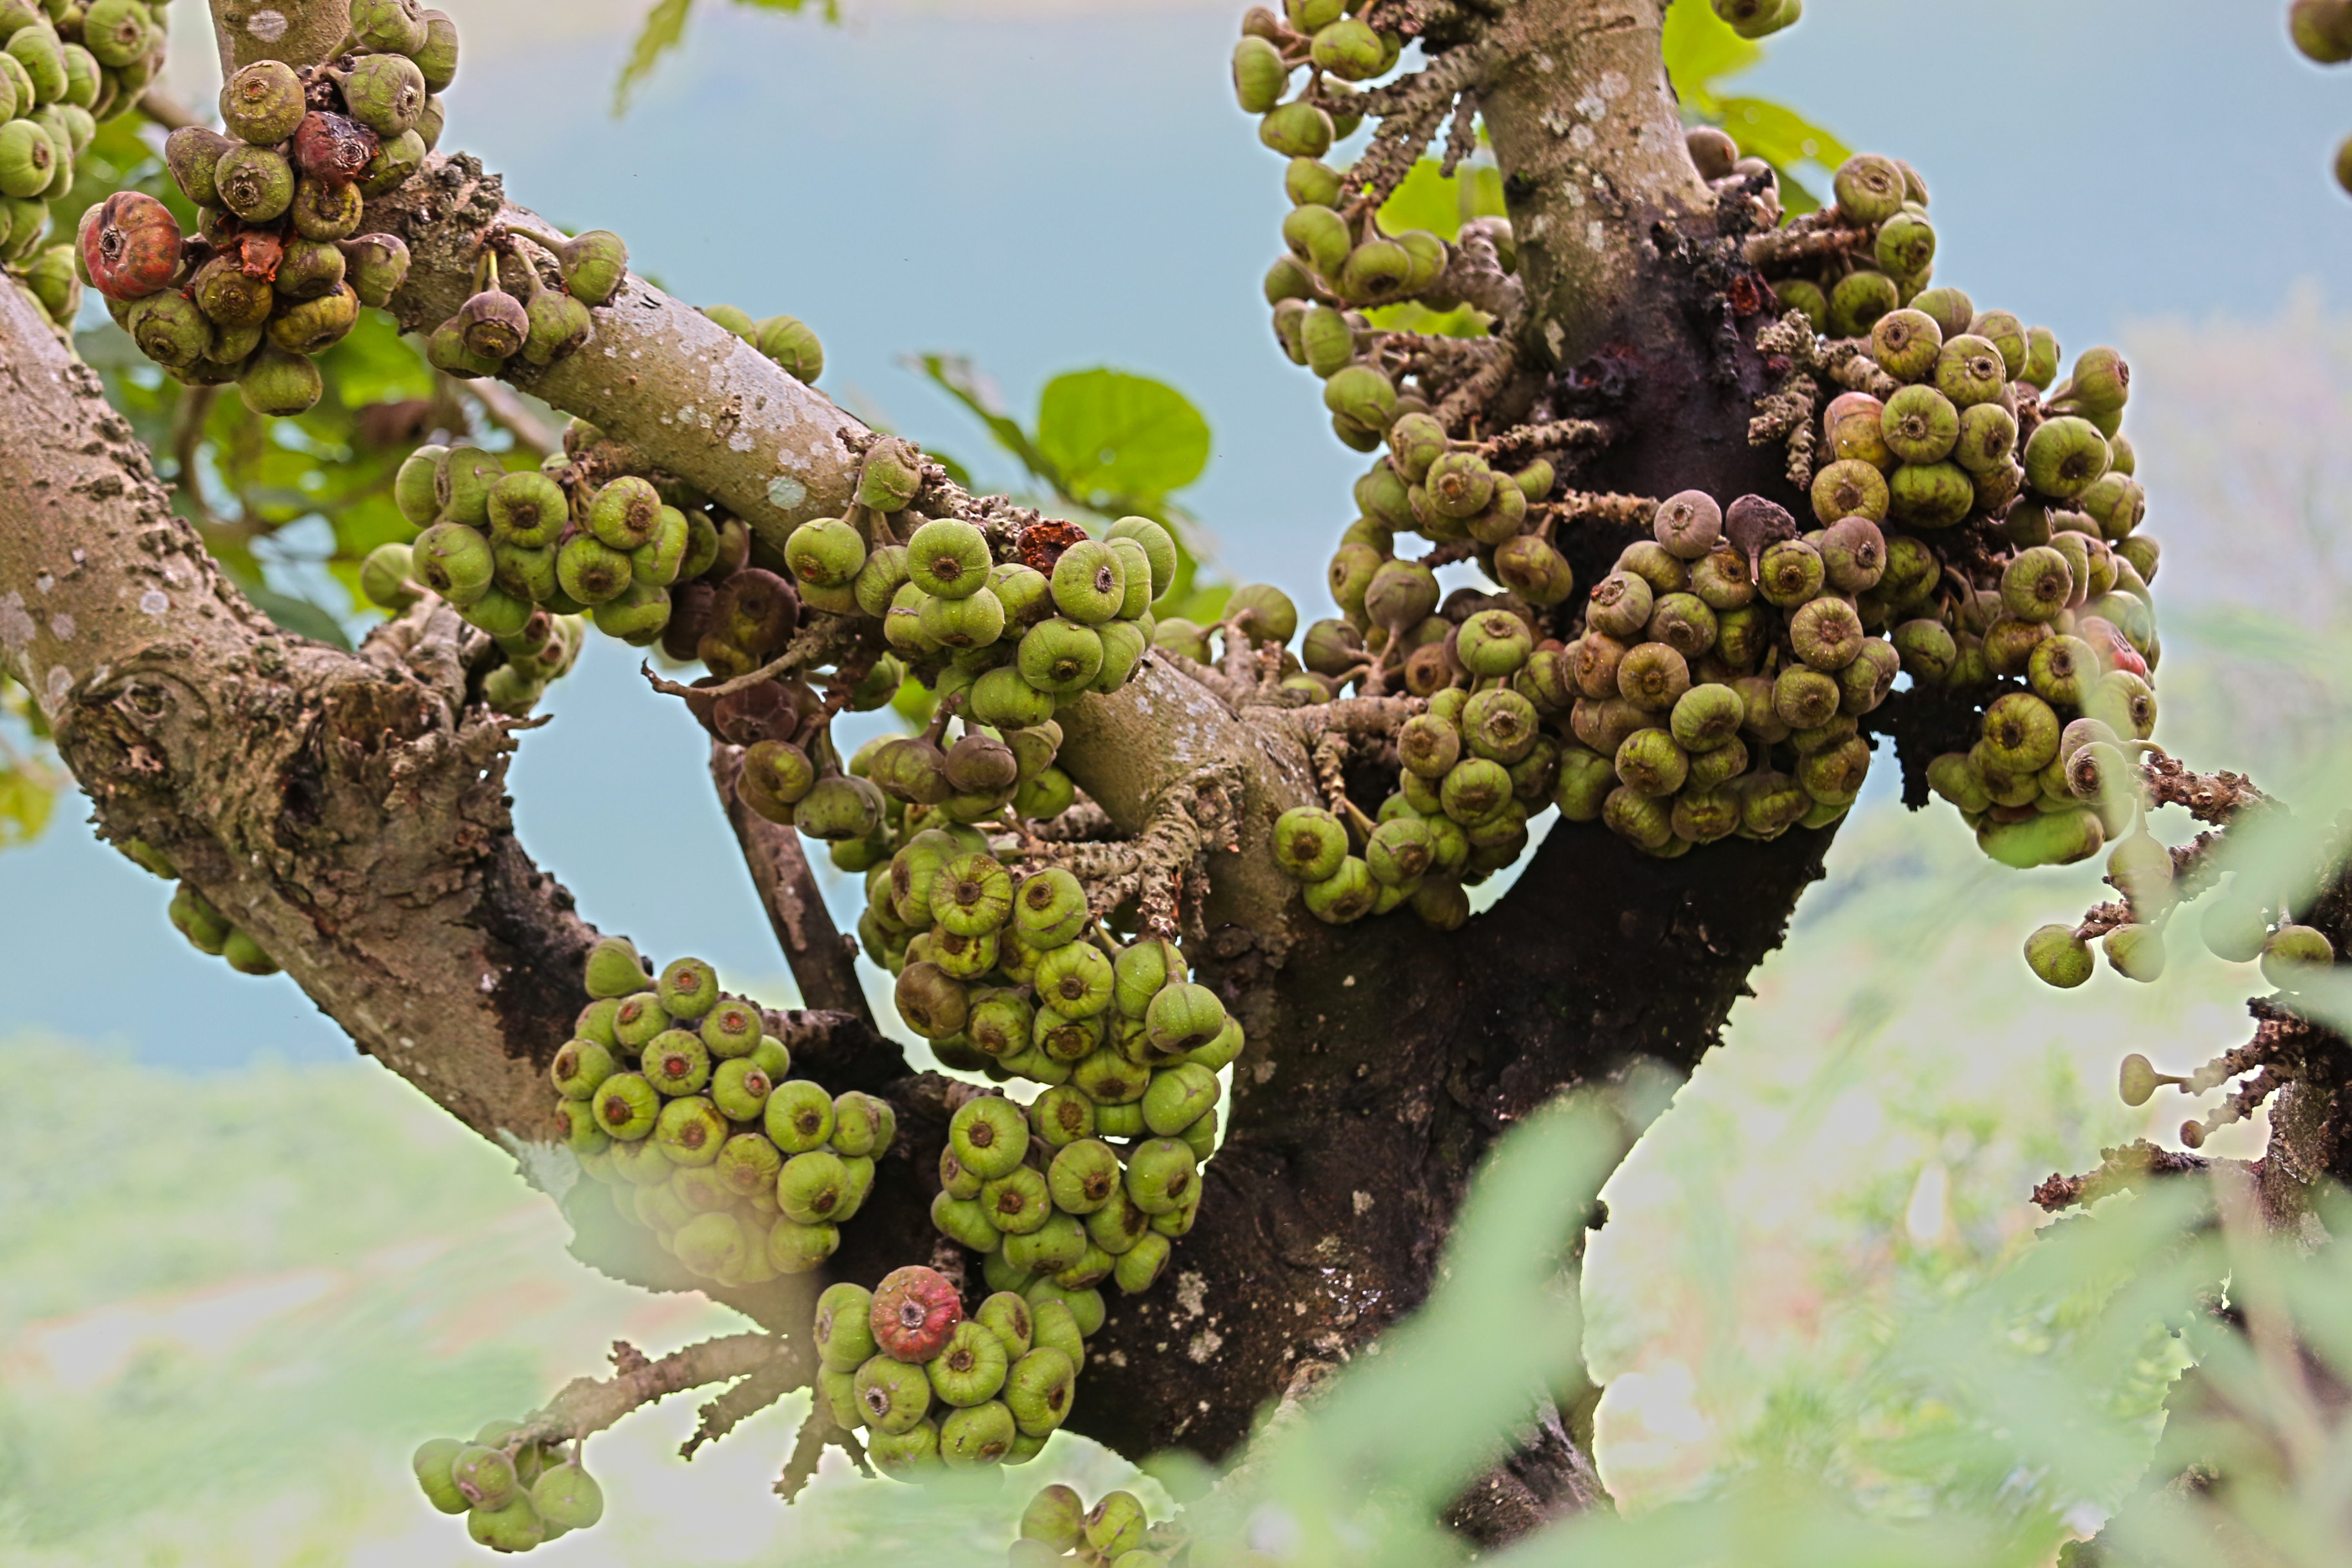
x=823 y=962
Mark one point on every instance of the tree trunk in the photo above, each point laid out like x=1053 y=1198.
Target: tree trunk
x=348 y=810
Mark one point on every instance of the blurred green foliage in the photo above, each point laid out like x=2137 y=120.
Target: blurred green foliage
x=1104 y=444
x=1701 y=51
x=665 y=30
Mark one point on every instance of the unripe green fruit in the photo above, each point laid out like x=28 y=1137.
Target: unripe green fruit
x=1038 y=1389
x=1259 y=75
x=396 y=161
x=432 y=1463
x=1869 y=189
x=2101 y=383
x=261 y=104
x=827 y=552
x=1139 y=971
x=1362 y=393
x=798 y=1116
x=1066 y=1039
x=1117 y=1224
x=1049 y=909
x=909 y=1456
x=1969 y=371
x=2293 y=954
x=1083 y=1177
x=1075 y=980
x=2058 y=956
x=1178 y=1098
x=1858 y=301
x=1920 y=424
x=567 y=1496
x=1987 y=439
x=1930 y=495
x=1085 y=1310
x=1653 y=677
x=971 y=1369
x=313 y=326
x=1682 y=622
x=712 y=1245
x=483 y=1476
x=1047 y=796
x=1115 y=1525
x=579 y=1067
x=1905 y=342
x=1297 y=130
x=1309 y=843
x=2049 y=838
x=1160 y=1173
x=1062 y=1115
x=1771 y=803
x=1803 y=295
x=1159 y=548
x=2065 y=456
x=1184 y=1017
x=989 y=1135
x=613 y=969
x=811 y=1187
x=999 y=1024
x=1905 y=246
x=2135 y=951
x=385 y=93
x=455 y=561
x=1399 y=852
x=892 y=1395
x=978 y=1436
x=1651 y=764
x=2234 y=928
x=1056 y=1517
x=690 y=1131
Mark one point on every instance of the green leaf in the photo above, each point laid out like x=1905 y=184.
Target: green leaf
x=1428 y=199
x=665 y=26
x=1778 y=134
x=1701 y=48
x=1113 y=434
x=961 y=380
x=26 y=797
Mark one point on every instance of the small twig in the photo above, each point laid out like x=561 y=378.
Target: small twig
x=2120 y=1170
x=162 y=106
x=1817 y=234
x=1462 y=135
x=730 y=1409
x=823 y=962
x=808 y=1448
x=506 y=411
x=1526 y=440
x=816 y=638
x=587 y=1405
x=187 y=435
x=1630 y=512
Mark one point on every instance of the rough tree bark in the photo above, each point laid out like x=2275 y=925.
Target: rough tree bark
x=347 y=809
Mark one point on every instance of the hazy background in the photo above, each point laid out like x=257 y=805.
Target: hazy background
x=241 y=1280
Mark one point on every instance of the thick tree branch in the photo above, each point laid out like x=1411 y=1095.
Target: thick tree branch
x=345 y=810
x=1584 y=123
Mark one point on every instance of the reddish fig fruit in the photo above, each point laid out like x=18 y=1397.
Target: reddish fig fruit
x=331 y=148
x=915 y=1311
x=130 y=245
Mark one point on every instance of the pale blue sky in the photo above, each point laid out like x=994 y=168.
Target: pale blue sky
x=1046 y=186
